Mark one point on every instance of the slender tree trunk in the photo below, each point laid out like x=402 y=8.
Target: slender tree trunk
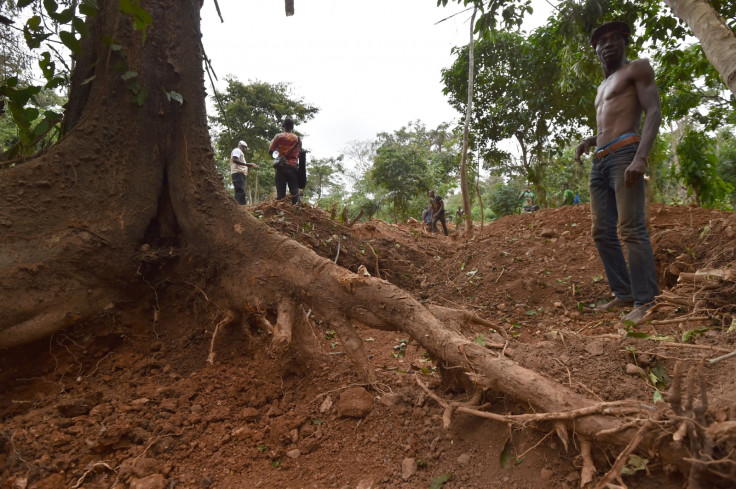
x=467 y=215
x=716 y=38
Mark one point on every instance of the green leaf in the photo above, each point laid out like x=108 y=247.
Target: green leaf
x=33 y=23
x=50 y=6
x=531 y=312
x=635 y=464
x=129 y=75
x=24 y=3
x=64 y=17
x=506 y=454
x=70 y=41
x=88 y=8
x=637 y=334
x=30 y=114
x=41 y=128
x=172 y=95
x=657 y=396
x=690 y=335
x=80 y=26
x=480 y=340
x=439 y=481
x=140 y=97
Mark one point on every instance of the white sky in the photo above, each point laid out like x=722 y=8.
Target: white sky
x=369 y=66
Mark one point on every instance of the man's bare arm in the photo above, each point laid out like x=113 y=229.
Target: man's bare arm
x=584 y=147
x=646 y=90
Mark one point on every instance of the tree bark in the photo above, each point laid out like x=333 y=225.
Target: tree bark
x=716 y=39
x=467 y=211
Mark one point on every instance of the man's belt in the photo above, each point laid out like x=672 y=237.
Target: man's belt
x=618 y=144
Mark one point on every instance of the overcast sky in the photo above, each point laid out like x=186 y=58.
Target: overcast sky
x=369 y=66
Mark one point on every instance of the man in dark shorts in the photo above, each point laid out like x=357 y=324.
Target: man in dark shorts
x=617 y=196
x=438 y=212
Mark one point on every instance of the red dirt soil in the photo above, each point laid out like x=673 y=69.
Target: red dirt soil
x=129 y=400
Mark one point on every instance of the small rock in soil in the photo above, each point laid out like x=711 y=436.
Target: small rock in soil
x=365 y=484
x=632 y=369
x=463 y=459
x=355 y=402
x=155 y=481
x=408 y=468
x=326 y=405
x=546 y=474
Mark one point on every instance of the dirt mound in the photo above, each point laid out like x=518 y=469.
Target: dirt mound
x=130 y=400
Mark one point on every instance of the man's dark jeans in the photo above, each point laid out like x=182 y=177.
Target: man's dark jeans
x=287 y=175
x=239 y=184
x=614 y=205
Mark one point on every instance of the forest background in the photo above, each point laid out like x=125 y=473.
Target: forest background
x=533 y=101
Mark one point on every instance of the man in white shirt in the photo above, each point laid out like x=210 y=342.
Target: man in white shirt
x=238 y=171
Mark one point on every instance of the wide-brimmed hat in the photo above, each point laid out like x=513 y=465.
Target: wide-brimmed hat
x=609 y=28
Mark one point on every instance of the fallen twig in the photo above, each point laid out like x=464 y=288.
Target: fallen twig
x=722 y=357
x=97 y=464
x=615 y=472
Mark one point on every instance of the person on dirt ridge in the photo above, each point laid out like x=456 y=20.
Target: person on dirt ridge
x=438 y=212
x=568 y=197
x=616 y=185
x=239 y=170
x=288 y=145
x=427 y=217
x=459 y=216
x=527 y=199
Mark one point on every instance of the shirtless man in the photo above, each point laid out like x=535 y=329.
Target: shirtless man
x=617 y=194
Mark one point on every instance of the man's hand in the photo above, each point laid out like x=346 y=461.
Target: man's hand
x=635 y=171
x=253 y=165
x=581 y=149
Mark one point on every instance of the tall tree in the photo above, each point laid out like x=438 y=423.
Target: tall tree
x=253 y=113
x=324 y=174
x=466 y=128
x=514 y=101
x=716 y=38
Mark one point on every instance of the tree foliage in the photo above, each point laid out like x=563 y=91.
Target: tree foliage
x=514 y=101
x=410 y=162
x=253 y=113
x=324 y=177
x=699 y=169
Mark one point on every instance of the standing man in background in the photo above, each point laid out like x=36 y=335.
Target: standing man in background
x=239 y=170
x=617 y=197
x=438 y=212
x=288 y=145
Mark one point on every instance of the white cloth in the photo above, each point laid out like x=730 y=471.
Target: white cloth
x=238 y=155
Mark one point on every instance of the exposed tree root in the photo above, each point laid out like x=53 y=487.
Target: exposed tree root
x=229 y=318
x=448 y=315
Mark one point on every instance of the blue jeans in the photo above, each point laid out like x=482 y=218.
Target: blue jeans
x=613 y=206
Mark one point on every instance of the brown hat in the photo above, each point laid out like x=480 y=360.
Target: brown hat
x=608 y=28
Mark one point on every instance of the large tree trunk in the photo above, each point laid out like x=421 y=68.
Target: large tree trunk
x=716 y=39
x=78 y=221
